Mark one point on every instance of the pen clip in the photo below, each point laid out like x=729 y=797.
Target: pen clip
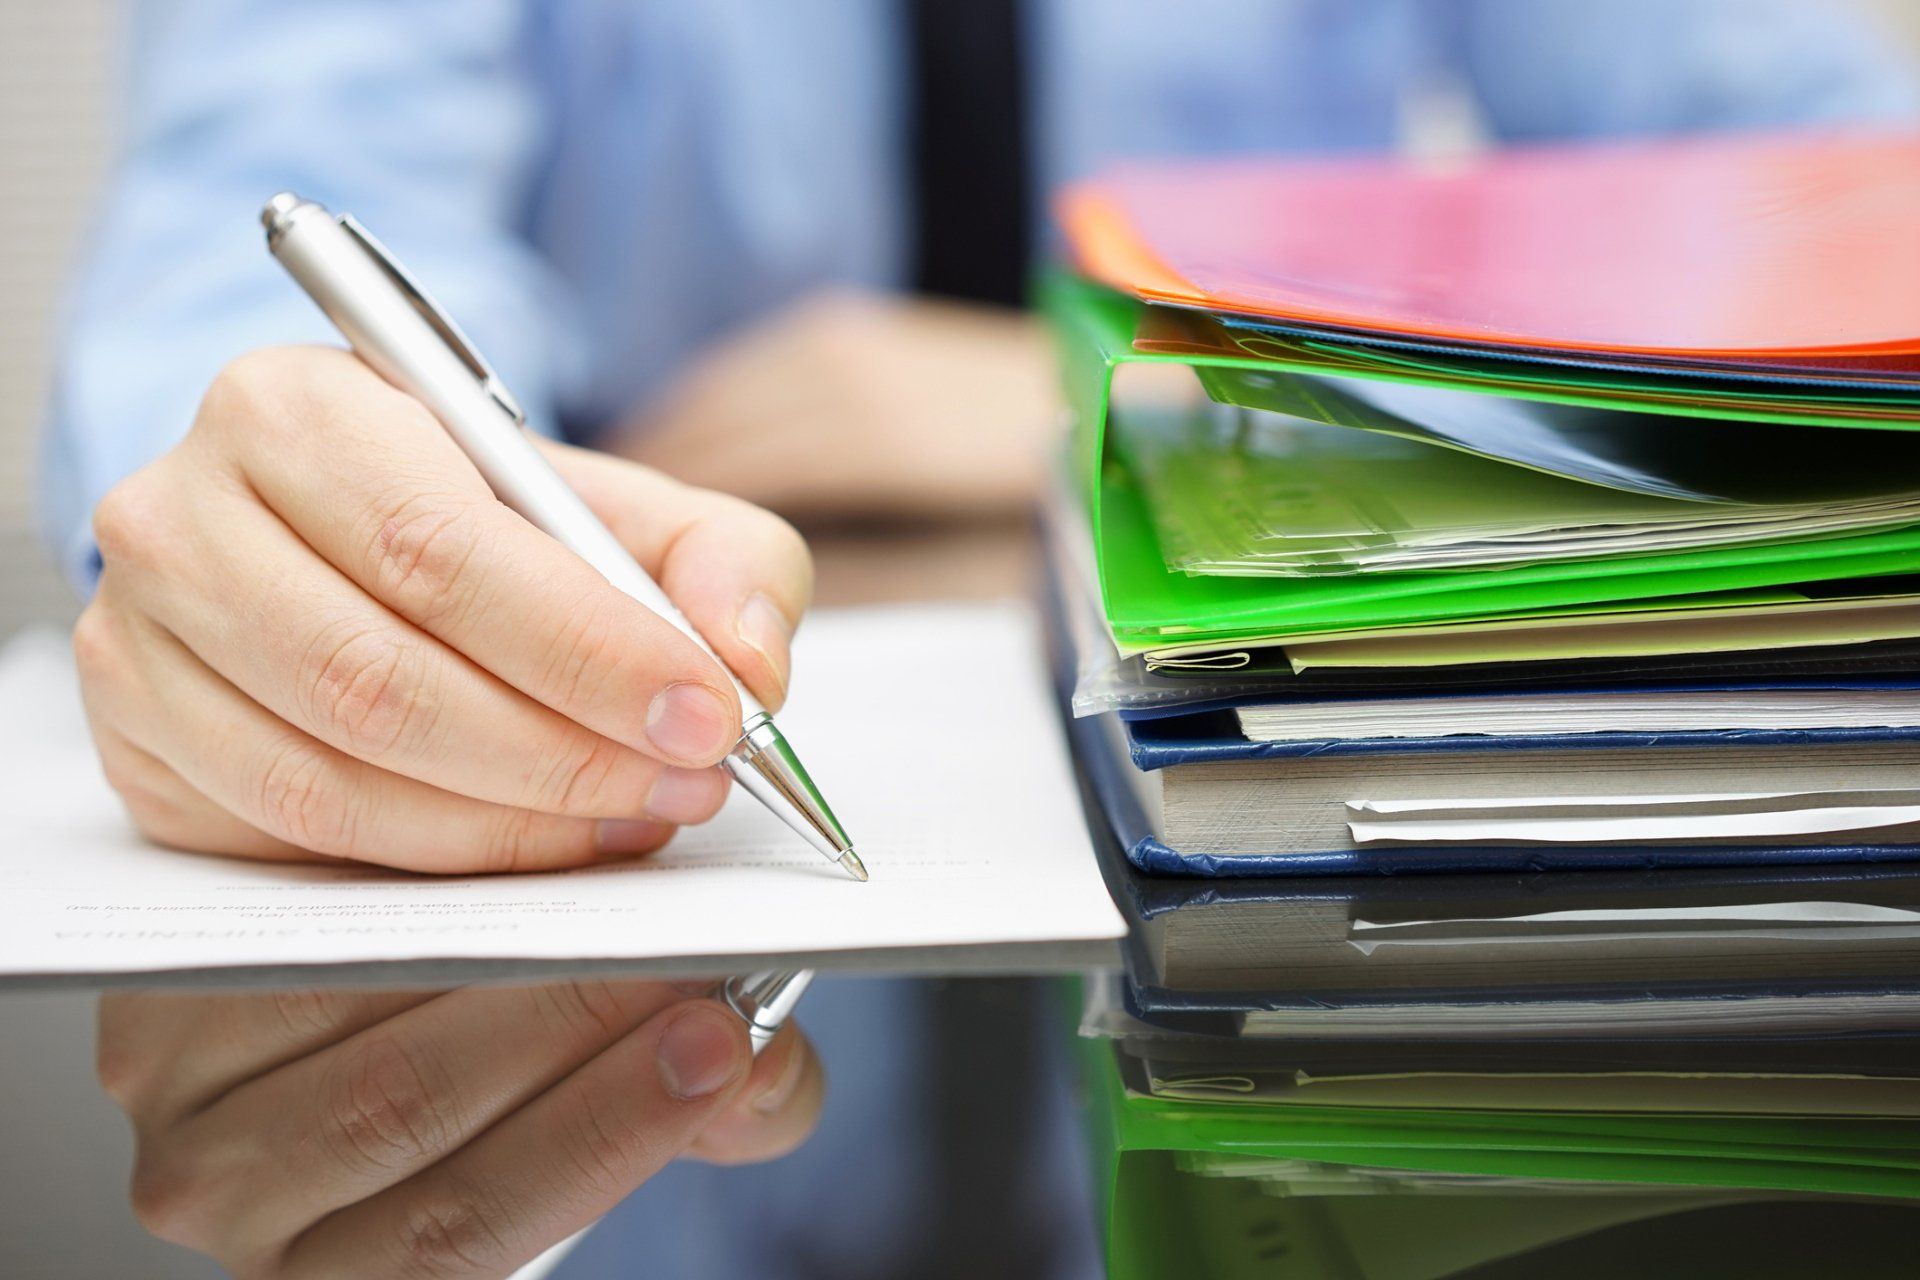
x=442 y=323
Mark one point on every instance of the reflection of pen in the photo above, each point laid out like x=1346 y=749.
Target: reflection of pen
x=395 y=327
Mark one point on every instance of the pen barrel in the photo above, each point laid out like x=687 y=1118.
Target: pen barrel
x=764 y=1000
x=393 y=337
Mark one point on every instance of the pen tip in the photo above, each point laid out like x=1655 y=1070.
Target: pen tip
x=855 y=868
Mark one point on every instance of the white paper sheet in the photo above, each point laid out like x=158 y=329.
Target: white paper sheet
x=957 y=792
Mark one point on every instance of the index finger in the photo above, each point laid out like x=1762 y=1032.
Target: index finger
x=373 y=483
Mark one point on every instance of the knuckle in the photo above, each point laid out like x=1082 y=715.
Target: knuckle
x=585 y=660
x=450 y=1232
x=515 y=842
x=154 y=816
x=130 y=523
x=248 y=388
x=169 y=1197
x=306 y=1013
x=118 y=1065
x=156 y=810
x=584 y=1012
x=781 y=540
x=386 y=1111
x=364 y=688
x=576 y=774
x=790 y=553
x=96 y=645
x=123 y=778
x=603 y=1146
x=298 y=801
x=779 y=548
x=421 y=552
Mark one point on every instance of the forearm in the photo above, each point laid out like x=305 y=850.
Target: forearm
x=852 y=406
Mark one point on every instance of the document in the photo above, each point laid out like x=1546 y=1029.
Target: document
x=959 y=797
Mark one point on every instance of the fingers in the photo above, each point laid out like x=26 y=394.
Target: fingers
x=372 y=1110
x=740 y=574
x=346 y=670
x=777 y=1109
x=162 y=1056
x=400 y=1133
x=169 y=811
x=300 y=791
x=321 y=551
x=552 y=1167
x=364 y=475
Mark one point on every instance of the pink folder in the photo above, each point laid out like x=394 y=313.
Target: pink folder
x=1758 y=246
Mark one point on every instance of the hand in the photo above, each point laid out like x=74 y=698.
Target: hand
x=413 y=1134
x=854 y=404
x=318 y=632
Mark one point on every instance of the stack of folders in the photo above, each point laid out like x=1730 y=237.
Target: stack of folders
x=1490 y=632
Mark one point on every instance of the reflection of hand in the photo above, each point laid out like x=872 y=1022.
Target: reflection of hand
x=421 y=1134
x=852 y=404
x=318 y=632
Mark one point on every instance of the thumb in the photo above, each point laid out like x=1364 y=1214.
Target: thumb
x=741 y=575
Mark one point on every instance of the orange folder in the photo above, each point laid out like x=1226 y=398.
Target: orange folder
x=1802 y=246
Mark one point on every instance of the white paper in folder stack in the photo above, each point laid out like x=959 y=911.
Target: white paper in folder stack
x=1746 y=818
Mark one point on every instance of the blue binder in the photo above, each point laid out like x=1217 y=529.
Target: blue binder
x=1210 y=736
x=1209 y=1019
x=1155 y=744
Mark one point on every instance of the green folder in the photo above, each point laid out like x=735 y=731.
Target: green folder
x=1592 y=387
x=1150 y=607
x=1149 y=1221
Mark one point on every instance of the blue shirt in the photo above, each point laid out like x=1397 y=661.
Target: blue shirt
x=596 y=188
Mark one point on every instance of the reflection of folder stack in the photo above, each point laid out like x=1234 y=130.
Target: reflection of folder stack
x=1446 y=522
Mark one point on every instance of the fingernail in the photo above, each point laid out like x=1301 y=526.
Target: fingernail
x=700 y=1054
x=765 y=629
x=686 y=795
x=690 y=722
x=624 y=837
x=777 y=1094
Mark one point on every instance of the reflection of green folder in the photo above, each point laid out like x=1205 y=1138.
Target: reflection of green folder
x=1149 y=606
x=1140 y=1143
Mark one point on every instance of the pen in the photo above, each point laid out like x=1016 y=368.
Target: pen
x=398 y=330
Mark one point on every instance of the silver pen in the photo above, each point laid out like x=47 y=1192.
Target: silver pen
x=397 y=329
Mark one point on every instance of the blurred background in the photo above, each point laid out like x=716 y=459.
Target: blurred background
x=63 y=1150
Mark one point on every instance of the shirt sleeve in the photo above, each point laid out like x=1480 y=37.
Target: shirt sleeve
x=1581 y=70
x=425 y=119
